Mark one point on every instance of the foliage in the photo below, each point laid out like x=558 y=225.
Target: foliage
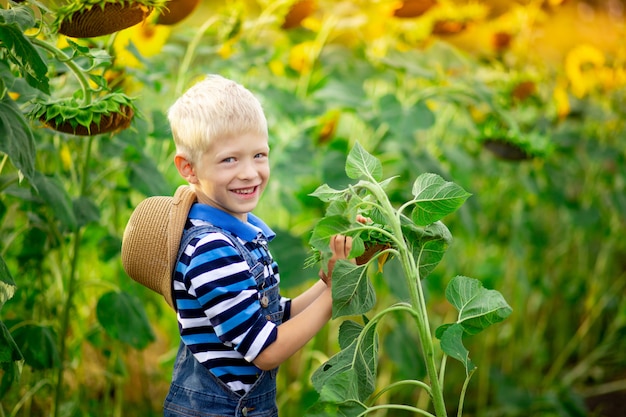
x=49 y=224
x=350 y=375
x=515 y=106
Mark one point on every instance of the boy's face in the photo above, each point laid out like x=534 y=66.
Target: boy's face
x=233 y=173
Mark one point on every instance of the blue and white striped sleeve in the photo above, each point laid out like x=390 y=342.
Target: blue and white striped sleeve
x=220 y=278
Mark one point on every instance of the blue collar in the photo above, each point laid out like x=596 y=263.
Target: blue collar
x=247 y=231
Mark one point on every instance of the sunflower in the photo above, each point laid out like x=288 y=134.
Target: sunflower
x=303 y=55
x=147 y=38
x=583 y=65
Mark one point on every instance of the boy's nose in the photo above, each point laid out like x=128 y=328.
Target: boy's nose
x=248 y=170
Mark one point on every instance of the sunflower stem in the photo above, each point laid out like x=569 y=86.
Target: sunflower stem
x=71 y=286
x=76 y=69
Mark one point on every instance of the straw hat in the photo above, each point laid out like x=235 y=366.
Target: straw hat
x=152 y=237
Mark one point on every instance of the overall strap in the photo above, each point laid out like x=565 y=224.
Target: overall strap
x=196 y=231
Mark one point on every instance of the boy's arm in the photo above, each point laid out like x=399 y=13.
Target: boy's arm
x=303 y=300
x=296 y=332
x=309 y=314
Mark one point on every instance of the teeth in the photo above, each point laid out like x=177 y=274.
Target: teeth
x=245 y=191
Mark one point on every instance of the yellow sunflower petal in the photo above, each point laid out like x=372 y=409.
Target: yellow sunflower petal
x=147 y=38
x=581 y=64
x=302 y=55
x=562 y=101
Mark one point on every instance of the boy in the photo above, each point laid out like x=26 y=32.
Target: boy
x=235 y=327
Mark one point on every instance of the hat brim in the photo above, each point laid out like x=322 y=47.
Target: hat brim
x=152 y=238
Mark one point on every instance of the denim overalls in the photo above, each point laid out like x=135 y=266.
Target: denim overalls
x=195 y=391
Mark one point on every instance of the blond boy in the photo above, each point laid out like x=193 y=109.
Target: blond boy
x=235 y=327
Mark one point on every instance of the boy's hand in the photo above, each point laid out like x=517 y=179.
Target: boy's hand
x=340 y=246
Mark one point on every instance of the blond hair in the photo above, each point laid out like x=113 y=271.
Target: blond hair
x=214 y=108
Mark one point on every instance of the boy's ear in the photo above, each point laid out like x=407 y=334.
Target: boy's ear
x=185 y=169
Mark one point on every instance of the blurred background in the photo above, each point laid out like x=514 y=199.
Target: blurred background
x=522 y=103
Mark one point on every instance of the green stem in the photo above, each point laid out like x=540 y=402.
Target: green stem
x=78 y=72
x=28 y=396
x=442 y=368
x=396 y=407
x=582 y=331
x=396 y=307
x=463 y=391
x=4 y=160
x=605 y=388
x=399 y=384
x=322 y=36
x=418 y=302
x=9 y=179
x=383 y=232
x=191 y=49
x=71 y=287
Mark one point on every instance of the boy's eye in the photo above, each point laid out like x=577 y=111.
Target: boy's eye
x=229 y=159
x=261 y=155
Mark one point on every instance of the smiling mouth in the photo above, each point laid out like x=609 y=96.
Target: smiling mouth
x=245 y=191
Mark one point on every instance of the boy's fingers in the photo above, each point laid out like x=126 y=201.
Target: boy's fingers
x=362 y=219
x=341 y=245
x=338 y=244
x=348 y=246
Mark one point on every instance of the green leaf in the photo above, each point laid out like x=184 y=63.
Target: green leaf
x=327 y=194
x=123 y=318
x=11 y=372
x=452 y=345
x=351 y=373
x=38 y=345
x=403 y=121
x=20 y=15
x=353 y=292
x=401 y=346
x=478 y=307
x=84 y=117
x=7 y=78
x=345 y=93
x=435 y=198
x=36 y=244
x=432 y=246
x=358 y=246
x=83 y=50
x=361 y=164
x=9 y=352
x=337 y=208
x=348 y=408
x=54 y=195
x=428 y=244
x=7 y=285
x=85 y=211
x=421 y=115
x=10 y=360
x=348 y=332
x=290 y=254
x=325 y=229
x=51 y=111
x=16 y=137
x=146 y=178
x=21 y=51
x=69 y=113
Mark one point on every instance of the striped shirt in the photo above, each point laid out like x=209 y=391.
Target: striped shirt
x=216 y=295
